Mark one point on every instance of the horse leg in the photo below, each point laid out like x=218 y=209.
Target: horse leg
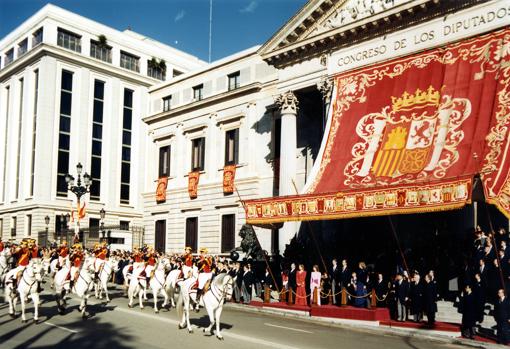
x=10 y=299
x=165 y=297
x=23 y=305
x=84 y=308
x=130 y=293
x=186 y=313
x=140 y=296
x=105 y=287
x=217 y=316
x=155 y=295
x=35 y=299
x=210 y=312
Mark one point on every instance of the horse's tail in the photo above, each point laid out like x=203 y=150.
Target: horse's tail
x=180 y=305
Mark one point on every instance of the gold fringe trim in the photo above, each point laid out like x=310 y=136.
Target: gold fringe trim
x=386 y=212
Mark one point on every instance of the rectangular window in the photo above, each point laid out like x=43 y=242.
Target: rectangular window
x=9 y=57
x=4 y=176
x=94 y=227
x=228 y=227
x=66 y=92
x=164 y=162
x=100 y=51
x=125 y=173
x=34 y=131
x=97 y=139
x=160 y=236
x=68 y=40
x=20 y=132
x=156 y=72
x=22 y=48
x=124 y=225
x=233 y=80
x=14 y=223
x=117 y=241
x=37 y=37
x=129 y=61
x=192 y=233
x=198 y=154
x=198 y=92
x=29 y=224
x=232 y=147
x=167 y=103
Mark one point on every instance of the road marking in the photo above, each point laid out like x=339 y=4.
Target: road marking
x=287 y=328
x=62 y=328
x=224 y=333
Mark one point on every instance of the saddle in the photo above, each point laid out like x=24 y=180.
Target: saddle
x=130 y=269
x=207 y=286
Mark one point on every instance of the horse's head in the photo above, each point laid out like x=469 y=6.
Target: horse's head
x=36 y=270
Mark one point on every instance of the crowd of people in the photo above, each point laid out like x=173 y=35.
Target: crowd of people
x=410 y=295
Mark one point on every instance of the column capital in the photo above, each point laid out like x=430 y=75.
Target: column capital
x=325 y=86
x=287 y=102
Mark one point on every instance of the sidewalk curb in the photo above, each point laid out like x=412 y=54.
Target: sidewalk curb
x=369 y=327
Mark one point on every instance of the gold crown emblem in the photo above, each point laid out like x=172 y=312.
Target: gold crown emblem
x=430 y=97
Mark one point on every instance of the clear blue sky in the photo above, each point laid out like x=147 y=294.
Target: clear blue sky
x=184 y=24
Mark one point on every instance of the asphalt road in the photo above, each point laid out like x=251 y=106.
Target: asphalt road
x=116 y=326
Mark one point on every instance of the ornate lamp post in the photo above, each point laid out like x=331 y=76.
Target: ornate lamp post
x=81 y=188
x=47 y=222
x=102 y=214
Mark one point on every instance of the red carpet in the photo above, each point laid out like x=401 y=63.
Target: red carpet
x=351 y=313
x=281 y=305
x=439 y=326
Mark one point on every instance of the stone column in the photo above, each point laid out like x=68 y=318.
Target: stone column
x=288 y=104
x=325 y=87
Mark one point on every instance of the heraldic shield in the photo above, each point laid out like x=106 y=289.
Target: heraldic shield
x=415 y=136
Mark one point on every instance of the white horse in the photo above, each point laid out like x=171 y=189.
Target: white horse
x=171 y=284
x=81 y=287
x=158 y=283
x=221 y=289
x=5 y=260
x=30 y=278
x=110 y=266
x=128 y=275
x=137 y=286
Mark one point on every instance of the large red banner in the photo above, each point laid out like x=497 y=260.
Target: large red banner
x=409 y=135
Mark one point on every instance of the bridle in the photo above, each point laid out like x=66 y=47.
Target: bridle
x=222 y=292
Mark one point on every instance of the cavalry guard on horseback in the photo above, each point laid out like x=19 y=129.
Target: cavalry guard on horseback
x=187 y=258
x=205 y=265
x=76 y=260
x=63 y=255
x=101 y=253
x=23 y=254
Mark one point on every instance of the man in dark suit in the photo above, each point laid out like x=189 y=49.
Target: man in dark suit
x=416 y=295
x=468 y=310
x=502 y=317
x=336 y=280
x=292 y=285
x=247 y=283
x=401 y=290
x=345 y=273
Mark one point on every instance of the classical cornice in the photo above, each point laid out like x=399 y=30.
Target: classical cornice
x=316 y=28
x=218 y=98
x=76 y=59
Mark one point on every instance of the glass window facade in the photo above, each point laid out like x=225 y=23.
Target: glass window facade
x=69 y=40
x=34 y=130
x=101 y=52
x=232 y=147
x=129 y=61
x=20 y=132
x=97 y=139
x=125 y=170
x=66 y=94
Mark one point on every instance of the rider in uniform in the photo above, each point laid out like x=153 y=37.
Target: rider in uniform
x=101 y=252
x=22 y=255
x=76 y=261
x=150 y=262
x=63 y=255
x=187 y=262
x=2 y=246
x=205 y=273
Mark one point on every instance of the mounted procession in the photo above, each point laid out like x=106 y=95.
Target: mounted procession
x=185 y=281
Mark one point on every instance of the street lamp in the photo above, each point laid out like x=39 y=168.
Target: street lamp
x=102 y=214
x=81 y=188
x=47 y=221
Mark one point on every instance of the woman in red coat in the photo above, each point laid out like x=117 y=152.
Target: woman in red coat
x=301 y=290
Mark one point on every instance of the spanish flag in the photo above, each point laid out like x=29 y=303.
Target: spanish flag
x=81 y=211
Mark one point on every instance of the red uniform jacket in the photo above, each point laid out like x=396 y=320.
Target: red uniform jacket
x=205 y=264
x=63 y=251
x=34 y=252
x=2 y=246
x=101 y=253
x=188 y=260
x=138 y=257
x=76 y=259
x=23 y=256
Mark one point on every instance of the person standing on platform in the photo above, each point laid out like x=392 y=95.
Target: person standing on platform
x=246 y=286
x=381 y=289
x=301 y=286
x=416 y=296
x=479 y=295
x=315 y=284
x=345 y=274
x=401 y=289
x=429 y=300
x=336 y=280
x=502 y=317
x=291 y=283
x=468 y=310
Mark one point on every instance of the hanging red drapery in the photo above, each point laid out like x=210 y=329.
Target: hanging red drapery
x=409 y=135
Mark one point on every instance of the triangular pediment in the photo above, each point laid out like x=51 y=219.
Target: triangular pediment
x=323 y=22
